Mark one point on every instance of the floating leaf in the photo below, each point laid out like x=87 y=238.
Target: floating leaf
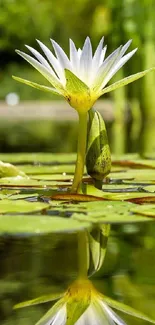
x=32 y=224
x=9 y=170
x=146 y=210
x=55 y=169
x=76 y=197
x=38 y=158
x=21 y=206
x=100 y=212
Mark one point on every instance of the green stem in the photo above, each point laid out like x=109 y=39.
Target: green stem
x=81 y=151
x=82 y=254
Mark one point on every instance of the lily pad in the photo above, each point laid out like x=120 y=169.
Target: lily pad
x=100 y=212
x=55 y=169
x=37 y=225
x=38 y=158
x=50 y=177
x=146 y=210
x=21 y=206
x=9 y=170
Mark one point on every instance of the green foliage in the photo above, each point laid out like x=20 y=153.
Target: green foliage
x=21 y=21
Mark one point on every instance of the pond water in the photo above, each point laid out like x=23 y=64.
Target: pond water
x=35 y=266
x=38 y=260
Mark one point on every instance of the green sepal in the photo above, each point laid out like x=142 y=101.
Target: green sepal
x=37 y=86
x=125 y=81
x=127 y=309
x=74 y=84
x=40 y=300
x=78 y=93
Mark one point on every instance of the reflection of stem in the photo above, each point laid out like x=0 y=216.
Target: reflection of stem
x=82 y=254
x=82 y=138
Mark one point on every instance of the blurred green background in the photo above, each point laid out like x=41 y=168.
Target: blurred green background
x=22 y=22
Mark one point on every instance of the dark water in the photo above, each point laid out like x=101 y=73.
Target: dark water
x=40 y=265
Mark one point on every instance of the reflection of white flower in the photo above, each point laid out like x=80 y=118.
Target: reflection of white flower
x=98 y=313
x=82 y=304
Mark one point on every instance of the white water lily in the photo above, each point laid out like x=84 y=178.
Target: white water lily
x=82 y=77
x=82 y=304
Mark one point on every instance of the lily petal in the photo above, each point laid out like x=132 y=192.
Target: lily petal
x=98 y=53
x=74 y=58
x=116 y=67
x=125 y=47
x=105 y=68
x=61 y=55
x=54 y=62
x=42 y=69
x=40 y=58
x=86 y=61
